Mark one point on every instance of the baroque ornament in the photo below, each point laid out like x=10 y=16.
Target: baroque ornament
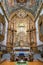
x=22 y=13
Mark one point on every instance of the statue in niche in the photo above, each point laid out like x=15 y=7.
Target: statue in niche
x=41 y=27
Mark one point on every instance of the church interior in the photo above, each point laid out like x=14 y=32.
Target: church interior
x=21 y=32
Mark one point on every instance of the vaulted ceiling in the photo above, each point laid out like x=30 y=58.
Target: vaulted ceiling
x=12 y=5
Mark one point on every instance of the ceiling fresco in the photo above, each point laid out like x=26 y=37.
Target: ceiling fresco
x=29 y=5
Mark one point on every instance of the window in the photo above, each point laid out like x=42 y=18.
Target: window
x=0 y=48
x=1 y=28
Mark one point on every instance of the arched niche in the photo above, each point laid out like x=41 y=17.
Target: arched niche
x=24 y=19
x=40 y=26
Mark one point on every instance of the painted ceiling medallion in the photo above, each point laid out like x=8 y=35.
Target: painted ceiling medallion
x=22 y=13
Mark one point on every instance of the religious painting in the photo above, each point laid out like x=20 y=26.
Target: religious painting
x=11 y=2
x=32 y=3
